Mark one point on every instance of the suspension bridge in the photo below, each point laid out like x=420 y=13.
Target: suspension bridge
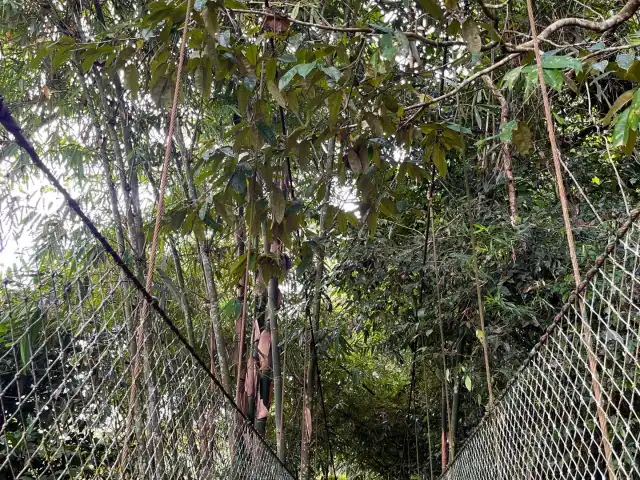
x=67 y=363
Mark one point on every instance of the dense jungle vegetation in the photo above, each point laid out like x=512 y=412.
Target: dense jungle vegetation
x=375 y=179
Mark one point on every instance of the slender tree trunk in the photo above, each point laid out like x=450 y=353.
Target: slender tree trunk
x=184 y=303
x=212 y=293
x=506 y=150
x=273 y=293
x=443 y=433
x=455 y=406
x=240 y=319
x=310 y=387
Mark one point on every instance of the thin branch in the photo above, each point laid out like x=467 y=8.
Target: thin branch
x=367 y=30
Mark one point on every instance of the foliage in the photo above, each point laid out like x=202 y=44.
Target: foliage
x=259 y=107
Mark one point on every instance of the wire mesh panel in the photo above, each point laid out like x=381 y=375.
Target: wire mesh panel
x=67 y=356
x=574 y=411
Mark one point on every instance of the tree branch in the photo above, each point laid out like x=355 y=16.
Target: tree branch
x=367 y=30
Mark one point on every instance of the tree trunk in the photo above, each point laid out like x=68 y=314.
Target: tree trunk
x=443 y=433
x=212 y=292
x=455 y=406
x=506 y=151
x=310 y=387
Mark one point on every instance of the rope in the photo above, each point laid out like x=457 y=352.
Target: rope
x=601 y=414
x=156 y=232
x=9 y=123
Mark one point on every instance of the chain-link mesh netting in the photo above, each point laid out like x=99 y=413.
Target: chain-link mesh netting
x=573 y=412
x=66 y=361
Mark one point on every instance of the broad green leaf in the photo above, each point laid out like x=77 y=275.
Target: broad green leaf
x=61 y=56
x=372 y=222
x=267 y=132
x=387 y=48
x=204 y=78
x=432 y=7
x=252 y=54
x=620 y=102
x=627 y=149
x=634 y=114
x=285 y=80
x=295 y=11
x=270 y=69
x=305 y=69
x=332 y=72
x=131 y=79
x=510 y=79
x=471 y=35
x=621 y=129
x=625 y=60
x=600 y=66
x=521 y=138
x=276 y=94
x=451 y=5
x=278 y=205
x=439 y=159
x=561 y=62
x=335 y=103
x=354 y=162
x=506 y=131
x=467 y=382
x=553 y=78
x=243 y=98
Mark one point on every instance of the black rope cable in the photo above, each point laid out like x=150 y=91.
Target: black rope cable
x=10 y=124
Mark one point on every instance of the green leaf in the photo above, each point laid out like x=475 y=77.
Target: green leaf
x=621 y=129
x=335 y=103
x=506 y=131
x=278 y=205
x=276 y=93
x=267 y=132
x=467 y=382
x=354 y=162
x=387 y=47
x=600 y=66
x=439 y=159
x=627 y=149
x=305 y=69
x=372 y=223
x=471 y=35
x=553 y=78
x=620 y=102
x=510 y=79
x=561 y=62
x=332 y=72
x=131 y=80
x=252 y=54
x=285 y=80
x=61 y=56
x=625 y=60
x=243 y=98
x=432 y=8
x=522 y=138
x=634 y=115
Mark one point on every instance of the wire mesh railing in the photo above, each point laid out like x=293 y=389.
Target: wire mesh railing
x=67 y=346
x=573 y=411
